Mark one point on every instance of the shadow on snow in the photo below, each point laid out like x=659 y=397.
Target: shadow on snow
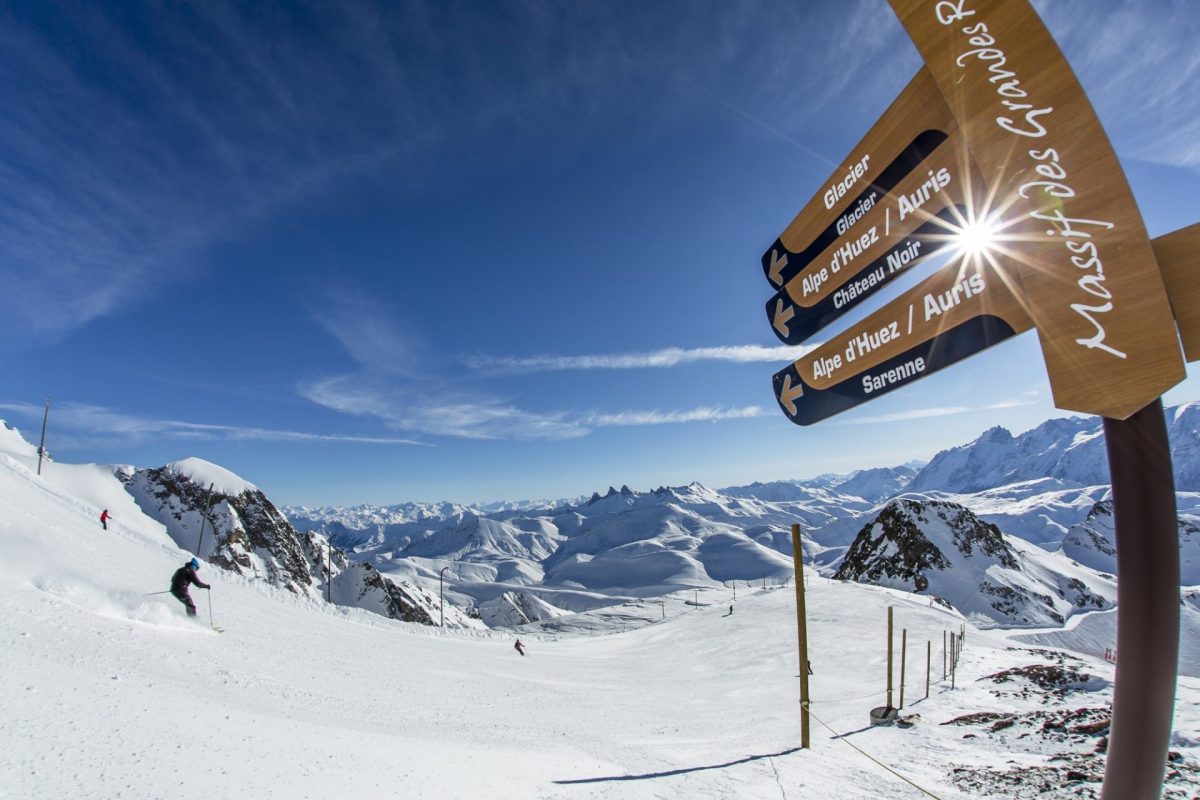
x=673 y=772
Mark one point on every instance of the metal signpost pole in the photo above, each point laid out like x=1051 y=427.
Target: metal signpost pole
x=1147 y=603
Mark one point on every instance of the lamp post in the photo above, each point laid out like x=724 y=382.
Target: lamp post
x=442 y=597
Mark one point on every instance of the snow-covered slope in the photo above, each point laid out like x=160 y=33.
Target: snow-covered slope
x=198 y=507
x=112 y=692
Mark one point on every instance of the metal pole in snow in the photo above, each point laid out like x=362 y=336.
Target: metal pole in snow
x=928 y=664
x=953 y=661
x=204 y=518
x=442 y=597
x=889 y=649
x=329 y=571
x=42 y=444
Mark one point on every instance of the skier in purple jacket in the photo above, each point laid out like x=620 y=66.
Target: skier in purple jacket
x=186 y=576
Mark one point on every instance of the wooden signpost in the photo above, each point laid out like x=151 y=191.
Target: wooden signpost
x=996 y=131
x=1075 y=237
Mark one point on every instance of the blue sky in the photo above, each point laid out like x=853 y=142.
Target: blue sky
x=472 y=251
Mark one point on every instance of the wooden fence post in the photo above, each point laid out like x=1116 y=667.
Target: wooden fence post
x=801 y=635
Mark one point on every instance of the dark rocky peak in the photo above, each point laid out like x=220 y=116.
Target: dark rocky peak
x=909 y=539
x=894 y=546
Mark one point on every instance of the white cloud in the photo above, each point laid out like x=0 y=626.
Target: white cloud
x=1140 y=65
x=935 y=411
x=702 y=414
x=666 y=357
x=415 y=400
x=436 y=411
x=96 y=420
x=431 y=408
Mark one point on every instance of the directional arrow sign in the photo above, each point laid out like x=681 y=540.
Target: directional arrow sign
x=960 y=310
x=912 y=127
x=910 y=223
x=1086 y=269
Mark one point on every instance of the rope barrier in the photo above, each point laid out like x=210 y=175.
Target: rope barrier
x=847 y=699
x=872 y=758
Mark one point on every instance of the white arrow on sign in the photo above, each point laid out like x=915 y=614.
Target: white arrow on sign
x=778 y=264
x=789 y=394
x=783 y=315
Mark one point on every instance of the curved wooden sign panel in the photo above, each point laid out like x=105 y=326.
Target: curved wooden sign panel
x=1086 y=269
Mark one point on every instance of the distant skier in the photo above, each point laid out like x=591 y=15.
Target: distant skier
x=184 y=577
x=730 y=614
x=104 y=517
x=520 y=648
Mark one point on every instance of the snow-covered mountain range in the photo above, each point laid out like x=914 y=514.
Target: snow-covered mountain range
x=1042 y=498
x=1014 y=531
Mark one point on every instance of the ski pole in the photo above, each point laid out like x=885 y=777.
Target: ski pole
x=151 y=594
x=210 y=622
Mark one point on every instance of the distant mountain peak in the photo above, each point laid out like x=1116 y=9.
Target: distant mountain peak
x=996 y=433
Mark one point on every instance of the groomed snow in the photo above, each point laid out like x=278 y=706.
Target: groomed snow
x=111 y=692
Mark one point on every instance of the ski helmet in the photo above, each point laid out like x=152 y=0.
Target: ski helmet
x=195 y=564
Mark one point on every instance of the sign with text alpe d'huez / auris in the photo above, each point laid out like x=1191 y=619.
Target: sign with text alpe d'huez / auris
x=994 y=126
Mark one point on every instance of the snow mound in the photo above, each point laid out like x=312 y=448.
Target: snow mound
x=203 y=473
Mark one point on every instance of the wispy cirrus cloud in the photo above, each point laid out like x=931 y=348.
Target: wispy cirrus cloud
x=433 y=408
x=1140 y=65
x=89 y=420
x=396 y=382
x=654 y=359
x=437 y=410
x=703 y=414
x=934 y=411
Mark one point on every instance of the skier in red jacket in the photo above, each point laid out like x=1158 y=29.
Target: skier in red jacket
x=520 y=648
x=104 y=515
